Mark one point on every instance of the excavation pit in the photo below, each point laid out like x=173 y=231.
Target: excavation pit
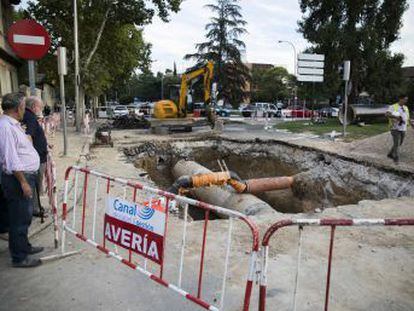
x=322 y=180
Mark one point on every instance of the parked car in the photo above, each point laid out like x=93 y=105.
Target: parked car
x=271 y=109
x=248 y=110
x=120 y=111
x=224 y=111
x=135 y=109
x=201 y=108
x=300 y=112
x=331 y=112
x=286 y=113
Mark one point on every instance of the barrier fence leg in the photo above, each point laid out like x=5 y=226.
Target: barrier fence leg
x=85 y=189
x=263 y=280
x=75 y=193
x=183 y=243
x=328 y=276
x=297 y=268
x=226 y=263
x=63 y=254
x=95 y=205
x=200 y=275
x=55 y=220
x=250 y=278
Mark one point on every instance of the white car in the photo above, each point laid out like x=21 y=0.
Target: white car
x=286 y=113
x=120 y=111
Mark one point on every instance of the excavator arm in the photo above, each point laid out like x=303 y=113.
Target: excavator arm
x=207 y=72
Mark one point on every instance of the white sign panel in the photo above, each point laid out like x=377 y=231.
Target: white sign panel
x=312 y=57
x=308 y=78
x=150 y=217
x=310 y=64
x=310 y=71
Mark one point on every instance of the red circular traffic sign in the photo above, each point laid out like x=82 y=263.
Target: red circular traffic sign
x=28 y=39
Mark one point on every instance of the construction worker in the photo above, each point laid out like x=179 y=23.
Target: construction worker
x=399 y=118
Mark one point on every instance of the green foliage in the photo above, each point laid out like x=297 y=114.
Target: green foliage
x=147 y=87
x=360 y=31
x=120 y=49
x=269 y=85
x=223 y=47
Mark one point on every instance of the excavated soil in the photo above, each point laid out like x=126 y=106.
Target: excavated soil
x=321 y=180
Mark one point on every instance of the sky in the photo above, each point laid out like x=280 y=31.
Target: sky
x=268 y=22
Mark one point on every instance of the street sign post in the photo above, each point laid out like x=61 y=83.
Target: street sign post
x=310 y=69
x=346 y=77
x=62 y=71
x=30 y=41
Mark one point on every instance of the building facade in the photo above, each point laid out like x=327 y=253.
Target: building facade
x=9 y=63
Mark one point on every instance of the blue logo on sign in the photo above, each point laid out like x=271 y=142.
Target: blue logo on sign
x=146 y=213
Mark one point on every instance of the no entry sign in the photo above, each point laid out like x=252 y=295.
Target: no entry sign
x=28 y=39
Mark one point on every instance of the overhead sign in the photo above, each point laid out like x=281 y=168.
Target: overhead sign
x=28 y=39
x=139 y=228
x=310 y=67
x=310 y=71
x=310 y=64
x=311 y=57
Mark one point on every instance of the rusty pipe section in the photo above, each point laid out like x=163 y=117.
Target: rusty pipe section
x=258 y=185
x=206 y=180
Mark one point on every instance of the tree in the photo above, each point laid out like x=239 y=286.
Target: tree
x=111 y=45
x=147 y=86
x=223 y=47
x=360 y=31
x=271 y=84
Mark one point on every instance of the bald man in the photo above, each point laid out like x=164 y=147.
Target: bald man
x=34 y=107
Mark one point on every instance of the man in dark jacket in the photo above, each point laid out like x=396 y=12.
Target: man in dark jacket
x=34 y=107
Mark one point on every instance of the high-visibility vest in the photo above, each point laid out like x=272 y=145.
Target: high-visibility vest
x=396 y=107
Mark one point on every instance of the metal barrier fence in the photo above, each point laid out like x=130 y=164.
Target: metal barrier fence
x=86 y=224
x=333 y=223
x=50 y=178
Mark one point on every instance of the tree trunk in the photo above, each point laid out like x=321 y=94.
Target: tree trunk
x=82 y=102
x=98 y=39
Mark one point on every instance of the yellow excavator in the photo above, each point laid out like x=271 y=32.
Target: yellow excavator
x=176 y=117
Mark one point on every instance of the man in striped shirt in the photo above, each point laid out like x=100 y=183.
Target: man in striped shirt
x=20 y=164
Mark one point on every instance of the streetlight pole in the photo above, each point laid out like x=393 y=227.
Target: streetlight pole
x=295 y=69
x=77 y=78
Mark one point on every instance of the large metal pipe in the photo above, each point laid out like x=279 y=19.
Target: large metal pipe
x=224 y=196
x=268 y=184
x=357 y=113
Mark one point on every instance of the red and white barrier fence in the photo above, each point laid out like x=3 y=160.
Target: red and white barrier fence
x=129 y=222
x=50 y=178
x=333 y=223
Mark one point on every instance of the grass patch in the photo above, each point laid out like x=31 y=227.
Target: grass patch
x=353 y=131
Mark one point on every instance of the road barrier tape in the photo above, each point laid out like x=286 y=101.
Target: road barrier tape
x=333 y=223
x=140 y=228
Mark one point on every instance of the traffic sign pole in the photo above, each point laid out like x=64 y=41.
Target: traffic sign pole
x=32 y=77
x=346 y=77
x=29 y=40
x=62 y=70
x=78 y=114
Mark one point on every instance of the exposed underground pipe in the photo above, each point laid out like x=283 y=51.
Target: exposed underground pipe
x=258 y=185
x=222 y=196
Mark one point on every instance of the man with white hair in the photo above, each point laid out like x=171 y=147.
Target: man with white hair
x=20 y=164
x=34 y=107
